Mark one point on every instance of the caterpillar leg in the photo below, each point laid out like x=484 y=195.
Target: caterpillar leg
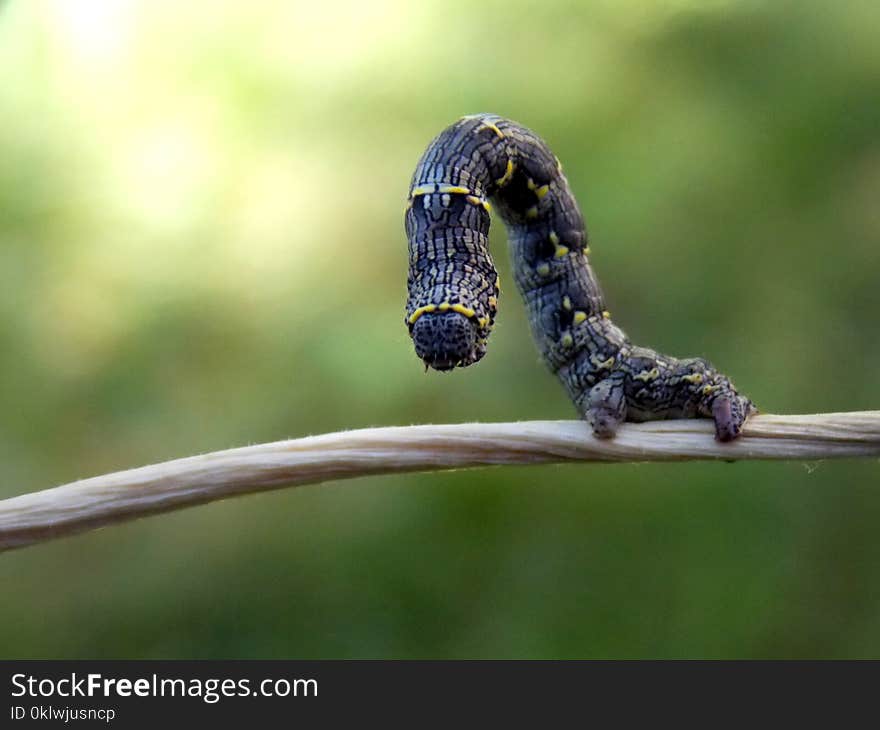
x=649 y=387
x=605 y=407
x=730 y=411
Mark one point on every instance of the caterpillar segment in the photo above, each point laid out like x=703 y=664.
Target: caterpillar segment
x=485 y=162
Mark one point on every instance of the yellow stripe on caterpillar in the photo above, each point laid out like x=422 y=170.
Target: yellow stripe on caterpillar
x=560 y=251
x=477 y=200
x=430 y=188
x=486 y=124
x=508 y=173
x=460 y=308
x=694 y=379
x=580 y=317
x=442 y=307
x=427 y=309
x=602 y=364
x=495 y=129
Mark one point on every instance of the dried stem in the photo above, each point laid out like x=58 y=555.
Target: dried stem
x=111 y=498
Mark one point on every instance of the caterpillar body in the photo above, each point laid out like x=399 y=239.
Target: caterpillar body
x=453 y=285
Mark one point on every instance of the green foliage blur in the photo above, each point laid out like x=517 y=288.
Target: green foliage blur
x=201 y=246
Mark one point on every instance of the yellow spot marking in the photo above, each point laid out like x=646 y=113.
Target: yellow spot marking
x=580 y=317
x=497 y=284
x=566 y=303
x=606 y=314
x=560 y=251
x=542 y=191
x=567 y=340
x=602 y=364
x=647 y=375
x=493 y=302
x=694 y=379
x=531 y=184
x=532 y=212
x=586 y=251
x=543 y=269
x=709 y=389
x=554 y=239
x=508 y=173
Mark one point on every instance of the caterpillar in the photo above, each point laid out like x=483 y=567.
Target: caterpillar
x=485 y=161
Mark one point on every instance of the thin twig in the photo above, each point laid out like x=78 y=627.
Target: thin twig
x=111 y=498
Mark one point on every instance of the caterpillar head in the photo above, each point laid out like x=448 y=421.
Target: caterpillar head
x=445 y=340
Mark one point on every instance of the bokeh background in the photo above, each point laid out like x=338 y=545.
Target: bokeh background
x=201 y=246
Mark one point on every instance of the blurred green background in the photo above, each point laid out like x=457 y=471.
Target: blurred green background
x=201 y=246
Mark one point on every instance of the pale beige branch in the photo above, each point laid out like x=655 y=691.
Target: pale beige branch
x=125 y=495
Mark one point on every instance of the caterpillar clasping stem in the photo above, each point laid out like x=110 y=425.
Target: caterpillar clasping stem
x=453 y=284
